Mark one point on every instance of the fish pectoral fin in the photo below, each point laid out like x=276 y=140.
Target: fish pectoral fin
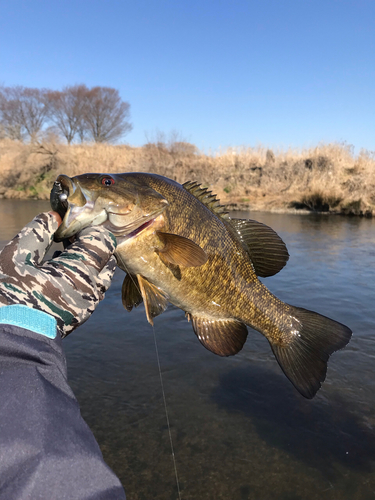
x=266 y=249
x=304 y=357
x=180 y=251
x=156 y=301
x=175 y=270
x=130 y=292
x=222 y=337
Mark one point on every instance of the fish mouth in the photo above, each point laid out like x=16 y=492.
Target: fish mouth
x=80 y=208
x=68 y=199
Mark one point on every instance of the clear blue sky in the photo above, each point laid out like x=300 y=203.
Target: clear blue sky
x=222 y=73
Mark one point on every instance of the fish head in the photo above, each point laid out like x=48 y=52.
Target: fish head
x=118 y=203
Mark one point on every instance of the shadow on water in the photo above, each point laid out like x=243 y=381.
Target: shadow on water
x=319 y=432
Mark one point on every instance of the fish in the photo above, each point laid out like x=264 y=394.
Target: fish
x=177 y=244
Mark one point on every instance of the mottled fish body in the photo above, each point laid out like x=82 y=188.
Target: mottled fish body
x=177 y=244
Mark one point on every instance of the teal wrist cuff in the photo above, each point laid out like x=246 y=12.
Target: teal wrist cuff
x=30 y=319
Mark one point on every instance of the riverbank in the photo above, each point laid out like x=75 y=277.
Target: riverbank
x=328 y=178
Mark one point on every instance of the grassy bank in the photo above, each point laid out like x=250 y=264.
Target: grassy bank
x=328 y=178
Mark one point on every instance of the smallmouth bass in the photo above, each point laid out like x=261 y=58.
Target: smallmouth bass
x=177 y=244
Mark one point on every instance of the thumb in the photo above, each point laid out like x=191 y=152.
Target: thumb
x=94 y=247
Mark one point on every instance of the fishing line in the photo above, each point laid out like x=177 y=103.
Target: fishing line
x=166 y=414
x=135 y=282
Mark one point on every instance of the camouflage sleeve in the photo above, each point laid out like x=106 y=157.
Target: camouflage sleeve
x=68 y=287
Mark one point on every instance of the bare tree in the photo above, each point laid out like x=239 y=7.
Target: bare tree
x=10 y=117
x=106 y=115
x=23 y=110
x=67 y=110
x=33 y=109
x=82 y=131
x=98 y=113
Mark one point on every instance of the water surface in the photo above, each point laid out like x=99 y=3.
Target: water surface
x=240 y=430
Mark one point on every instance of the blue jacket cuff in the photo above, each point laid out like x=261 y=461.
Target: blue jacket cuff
x=30 y=319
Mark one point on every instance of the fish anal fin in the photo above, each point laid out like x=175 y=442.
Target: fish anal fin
x=266 y=249
x=222 y=337
x=180 y=251
x=207 y=198
x=130 y=293
x=156 y=301
x=304 y=359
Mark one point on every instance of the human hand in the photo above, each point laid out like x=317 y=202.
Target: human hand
x=67 y=287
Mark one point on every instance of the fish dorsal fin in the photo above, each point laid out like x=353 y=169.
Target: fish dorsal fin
x=222 y=337
x=155 y=299
x=207 y=198
x=266 y=249
x=180 y=251
x=130 y=292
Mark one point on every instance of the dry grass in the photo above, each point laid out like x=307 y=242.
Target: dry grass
x=326 y=178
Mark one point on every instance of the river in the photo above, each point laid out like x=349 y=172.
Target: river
x=240 y=430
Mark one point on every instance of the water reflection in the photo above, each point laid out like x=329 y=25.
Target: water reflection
x=319 y=433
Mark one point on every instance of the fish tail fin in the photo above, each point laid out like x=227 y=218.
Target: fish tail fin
x=304 y=359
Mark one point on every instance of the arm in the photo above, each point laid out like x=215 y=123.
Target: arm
x=46 y=448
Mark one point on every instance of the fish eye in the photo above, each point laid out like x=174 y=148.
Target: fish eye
x=108 y=181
